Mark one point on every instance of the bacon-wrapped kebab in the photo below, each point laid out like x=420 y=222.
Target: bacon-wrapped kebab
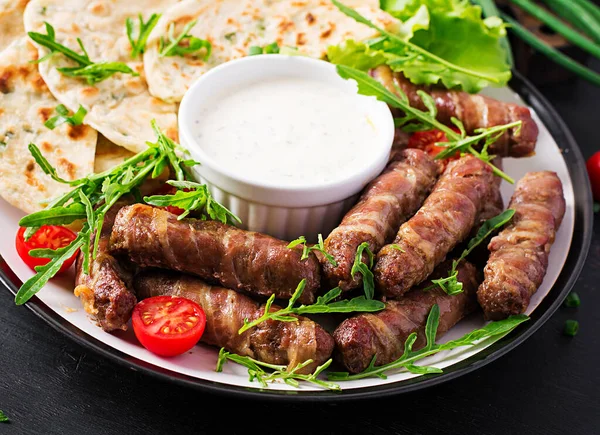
x=236 y=259
x=383 y=334
x=273 y=342
x=475 y=111
x=106 y=291
x=519 y=254
x=446 y=219
x=386 y=203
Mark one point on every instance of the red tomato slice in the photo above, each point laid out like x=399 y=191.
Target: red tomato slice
x=593 y=168
x=47 y=237
x=168 y=325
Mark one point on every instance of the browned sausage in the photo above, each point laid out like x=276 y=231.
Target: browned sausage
x=237 y=259
x=106 y=292
x=519 y=254
x=383 y=334
x=445 y=219
x=386 y=202
x=475 y=111
x=273 y=342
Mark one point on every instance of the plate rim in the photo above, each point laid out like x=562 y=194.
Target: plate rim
x=582 y=235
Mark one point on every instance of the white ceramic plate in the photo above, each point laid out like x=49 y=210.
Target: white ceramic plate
x=57 y=302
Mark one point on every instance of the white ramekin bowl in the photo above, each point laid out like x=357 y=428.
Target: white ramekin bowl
x=283 y=212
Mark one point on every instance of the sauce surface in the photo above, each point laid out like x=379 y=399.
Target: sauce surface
x=289 y=132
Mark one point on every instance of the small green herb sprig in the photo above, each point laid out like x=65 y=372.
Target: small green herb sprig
x=410 y=357
x=138 y=44
x=64 y=118
x=415 y=119
x=273 y=48
x=3 y=417
x=87 y=69
x=90 y=198
x=450 y=284
x=323 y=305
x=320 y=247
x=193 y=197
x=191 y=45
x=257 y=371
x=365 y=269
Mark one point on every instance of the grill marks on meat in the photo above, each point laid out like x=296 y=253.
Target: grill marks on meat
x=273 y=342
x=237 y=259
x=106 y=292
x=383 y=334
x=386 y=203
x=446 y=218
x=475 y=111
x=519 y=254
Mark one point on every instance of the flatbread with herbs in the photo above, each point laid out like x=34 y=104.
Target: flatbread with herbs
x=119 y=107
x=109 y=155
x=11 y=21
x=233 y=26
x=25 y=104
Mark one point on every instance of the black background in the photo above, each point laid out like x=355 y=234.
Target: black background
x=548 y=385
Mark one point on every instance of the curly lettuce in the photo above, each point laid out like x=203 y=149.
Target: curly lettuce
x=440 y=42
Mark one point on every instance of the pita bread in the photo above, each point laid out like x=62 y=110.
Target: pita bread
x=11 y=21
x=120 y=107
x=109 y=155
x=25 y=104
x=233 y=26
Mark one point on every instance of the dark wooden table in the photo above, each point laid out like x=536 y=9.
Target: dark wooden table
x=548 y=385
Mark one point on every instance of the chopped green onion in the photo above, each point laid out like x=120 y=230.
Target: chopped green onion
x=552 y=53
x=558 y=26
x=571 y=328
x=572 y=300
x=576 y=15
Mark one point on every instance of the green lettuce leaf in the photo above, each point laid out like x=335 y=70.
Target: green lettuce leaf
x=452 y=30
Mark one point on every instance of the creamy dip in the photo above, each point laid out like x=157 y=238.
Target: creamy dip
x=288 y=132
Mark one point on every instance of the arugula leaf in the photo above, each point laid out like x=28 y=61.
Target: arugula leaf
x=320 y=247
x=365 y=269
x=185 y=43
x=450 y=284
x=46 y=167
x=429 y=44
x=321 y=306
x=257 y=372
x=92 y=72
x=63 y=117
x=57 y=216
x=418 y=119
x=195 y=197
x=92 y=196
x=3 y=417
x=138 y=45
x=409 y=357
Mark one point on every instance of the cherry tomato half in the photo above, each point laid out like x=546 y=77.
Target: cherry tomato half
x=168 y=325
x=593 y=168
x=426 y=141
x=47 y=237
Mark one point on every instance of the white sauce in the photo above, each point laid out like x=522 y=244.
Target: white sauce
x=288 y=132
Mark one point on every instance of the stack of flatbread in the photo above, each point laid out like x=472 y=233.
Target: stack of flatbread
x=119 y=109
